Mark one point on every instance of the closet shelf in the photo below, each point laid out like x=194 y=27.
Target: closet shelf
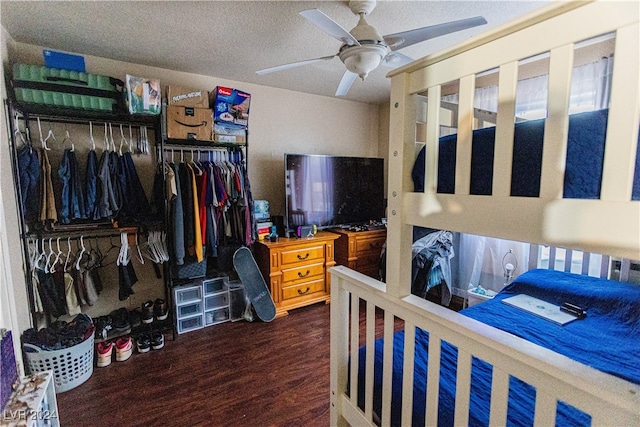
x=78 y=116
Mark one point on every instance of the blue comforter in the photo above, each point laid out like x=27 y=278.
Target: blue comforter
x=583 y=173
x=607 y=339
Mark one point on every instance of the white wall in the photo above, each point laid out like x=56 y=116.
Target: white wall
x=281 y=122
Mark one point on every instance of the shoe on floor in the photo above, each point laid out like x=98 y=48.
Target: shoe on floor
x=124 y=348
x=143 y=343
x=147 y=312
x=157 y=340
x=104 y=350
x=135 y=317
x=160 y=310
x=120 y=322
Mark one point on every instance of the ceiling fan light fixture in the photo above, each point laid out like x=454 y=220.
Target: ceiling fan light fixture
x=361 y=60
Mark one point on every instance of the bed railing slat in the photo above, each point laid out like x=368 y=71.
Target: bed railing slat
x=407 y=372
x=534 y=253
x=554 y=152
x=545 y=413
x=339 y=349
x=463 y=388
x=370 y=338
x=503 y=153
x=387 y=369
x=433 y=379
x=499 y=397
x=604 y=266
x=586 y=261
x=624 y=114
x=354 y=345
x=568 y=260
x=625 y=270
x=465 y=133
x=433 y=134
x=552 y=258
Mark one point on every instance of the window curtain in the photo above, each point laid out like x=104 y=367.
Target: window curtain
x=480 y=258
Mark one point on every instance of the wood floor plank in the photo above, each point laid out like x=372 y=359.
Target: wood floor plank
x=232 y=374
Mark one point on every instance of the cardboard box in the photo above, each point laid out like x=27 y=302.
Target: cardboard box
x=230 y=106
x=189 y=123
x=187 y=97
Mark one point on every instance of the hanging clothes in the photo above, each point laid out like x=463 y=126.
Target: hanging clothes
x=29 y=170
x=72 y=204
x=48 y=212
x=91 y=182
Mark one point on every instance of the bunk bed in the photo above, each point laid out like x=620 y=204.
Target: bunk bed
x=419 y=363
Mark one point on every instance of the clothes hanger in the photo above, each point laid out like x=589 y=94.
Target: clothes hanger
x=67 y=137
x=123 y=140
x=43 y=141
x=81 y=253
x=52 y=269
x=66 y=261
x=93 y=142
x=106 y=139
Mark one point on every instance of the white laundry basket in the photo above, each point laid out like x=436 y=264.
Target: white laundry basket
x=71 y=366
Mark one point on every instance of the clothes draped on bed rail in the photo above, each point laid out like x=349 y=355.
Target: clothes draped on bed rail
x=431 y=265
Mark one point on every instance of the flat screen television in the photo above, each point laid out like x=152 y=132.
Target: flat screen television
x=331 y=191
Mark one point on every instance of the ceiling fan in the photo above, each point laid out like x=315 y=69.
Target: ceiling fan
x=363 y=49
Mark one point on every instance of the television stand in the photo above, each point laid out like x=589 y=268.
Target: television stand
x=360 y=250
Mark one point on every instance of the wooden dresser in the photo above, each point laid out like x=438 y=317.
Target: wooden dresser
x=296 y=269
x=360 y=250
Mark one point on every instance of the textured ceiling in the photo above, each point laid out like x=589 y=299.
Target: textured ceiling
x=234 y=39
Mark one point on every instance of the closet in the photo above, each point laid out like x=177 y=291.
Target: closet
x=209 y=215
x=94 y=239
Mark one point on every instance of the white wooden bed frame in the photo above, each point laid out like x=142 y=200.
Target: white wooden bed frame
x=610 y=225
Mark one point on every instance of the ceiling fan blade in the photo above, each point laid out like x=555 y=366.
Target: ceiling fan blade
x=345 y=83
x=293 y=65
x=396 y=59
x=407 y=38
x=329 y=26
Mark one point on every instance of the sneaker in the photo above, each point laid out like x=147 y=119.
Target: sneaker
x=143 y=343
x=160 y=310
x=103 y=327
x=104 y=351
x=157 y=340
x=120 y=322
x=147 y=312
x=124 y=348
x=135 y=317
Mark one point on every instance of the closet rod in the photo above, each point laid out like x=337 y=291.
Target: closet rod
x=195 y=148
x=87 y=234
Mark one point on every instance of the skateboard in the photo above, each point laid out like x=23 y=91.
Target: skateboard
x=254 y=284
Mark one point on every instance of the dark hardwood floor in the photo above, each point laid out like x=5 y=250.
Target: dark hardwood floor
x=232 y=374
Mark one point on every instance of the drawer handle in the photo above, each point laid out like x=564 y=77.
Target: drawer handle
x=305 y=274
x=302 y=258
x=304 y=292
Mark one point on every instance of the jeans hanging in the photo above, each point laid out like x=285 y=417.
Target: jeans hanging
x=29 y=172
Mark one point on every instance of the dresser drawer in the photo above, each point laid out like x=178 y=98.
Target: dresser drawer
x=303 y=289
x=311 y=253
x=303 y=272
x=365 y=245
